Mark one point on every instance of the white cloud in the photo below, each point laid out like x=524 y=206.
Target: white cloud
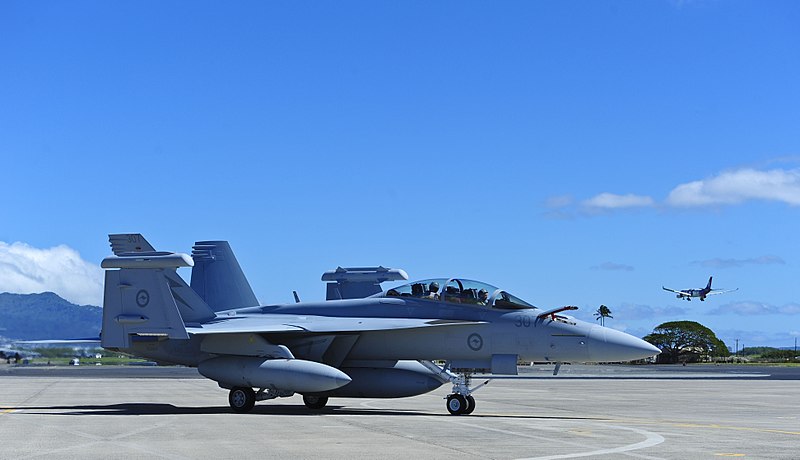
x=634 y=312
x=60 y=269
x=559 y=201
x=631 y=313
x=733 y=187
x=612 y=201
x=728 y=263
x=749 y=308
x=611 y=266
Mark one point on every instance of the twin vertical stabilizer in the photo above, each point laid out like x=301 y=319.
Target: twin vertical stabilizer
x=145 y=296
x=218 y=278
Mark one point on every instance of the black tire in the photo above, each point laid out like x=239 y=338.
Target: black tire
x=470 y=405
x=242 y=399
x=315 y=402
x=456 y=404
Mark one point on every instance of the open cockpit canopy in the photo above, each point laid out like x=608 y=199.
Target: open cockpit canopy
x=460 y=291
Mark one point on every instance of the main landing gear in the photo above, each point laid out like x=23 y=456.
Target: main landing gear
x=460 y=401
x=243 y=399
x=315 y=402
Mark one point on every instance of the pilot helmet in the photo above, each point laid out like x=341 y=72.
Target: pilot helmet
x=483 y=293
x=434 y=287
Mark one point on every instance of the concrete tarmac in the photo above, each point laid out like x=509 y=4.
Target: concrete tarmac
x=642 y=412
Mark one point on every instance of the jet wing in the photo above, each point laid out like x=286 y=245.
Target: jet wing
x=672 y=290
x=316 y=324
x=721 y=291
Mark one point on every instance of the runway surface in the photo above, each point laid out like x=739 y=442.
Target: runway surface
x=642 y=412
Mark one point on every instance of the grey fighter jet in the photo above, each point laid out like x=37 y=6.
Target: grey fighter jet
x=361 y=341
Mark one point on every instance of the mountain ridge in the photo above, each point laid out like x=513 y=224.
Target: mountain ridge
x=46 y=315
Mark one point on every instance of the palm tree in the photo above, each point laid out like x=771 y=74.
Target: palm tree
x=602 y=313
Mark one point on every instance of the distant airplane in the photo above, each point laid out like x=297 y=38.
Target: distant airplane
x=702 y=293
x=11 y=355
x=360 y=342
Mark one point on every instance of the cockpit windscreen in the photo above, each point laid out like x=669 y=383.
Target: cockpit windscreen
x=461 y=291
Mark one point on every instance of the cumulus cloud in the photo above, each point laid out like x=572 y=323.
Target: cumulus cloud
x=734 y=187
x=559 y=201
x=613 y=201
x=754 y=338
x=634 y=312
x=557 y=207
x=726 y=188
x=749 y=308
x=60 y=269
x=730 y=263
x=611 y=266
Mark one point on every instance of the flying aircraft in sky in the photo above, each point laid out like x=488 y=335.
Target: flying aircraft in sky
x=360 y=342
x=702 y=293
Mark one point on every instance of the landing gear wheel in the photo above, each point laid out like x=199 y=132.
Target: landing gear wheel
x=242 y=399
x=315 y=402
x=470 y=405
x=456 y=404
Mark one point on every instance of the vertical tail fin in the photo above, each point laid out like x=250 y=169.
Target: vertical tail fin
x=708 y=286
x=217 y=277
x=126 y=243
x=146 y=297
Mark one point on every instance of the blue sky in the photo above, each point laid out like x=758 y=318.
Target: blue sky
x=578 y=153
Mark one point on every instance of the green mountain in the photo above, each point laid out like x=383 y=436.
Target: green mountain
x=46 y=316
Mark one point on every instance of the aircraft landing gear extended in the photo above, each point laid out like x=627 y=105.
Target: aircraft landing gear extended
x=315 y=402
x=243 y=399
x=458 y=404
x=460 y=401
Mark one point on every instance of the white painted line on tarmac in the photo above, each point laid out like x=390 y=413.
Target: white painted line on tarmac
x=651 y=439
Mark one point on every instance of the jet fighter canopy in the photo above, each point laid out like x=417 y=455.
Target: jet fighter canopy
x=461 y=291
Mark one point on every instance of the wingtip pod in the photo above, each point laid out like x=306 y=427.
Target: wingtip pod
x=148 y=260
x=377 y=274
x=359 y=282
x=132 y=250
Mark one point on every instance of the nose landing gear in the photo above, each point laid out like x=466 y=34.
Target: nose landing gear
x=460 y=401
x=458 y=404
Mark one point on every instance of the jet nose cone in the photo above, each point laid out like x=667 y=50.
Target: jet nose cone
x=607 y=344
